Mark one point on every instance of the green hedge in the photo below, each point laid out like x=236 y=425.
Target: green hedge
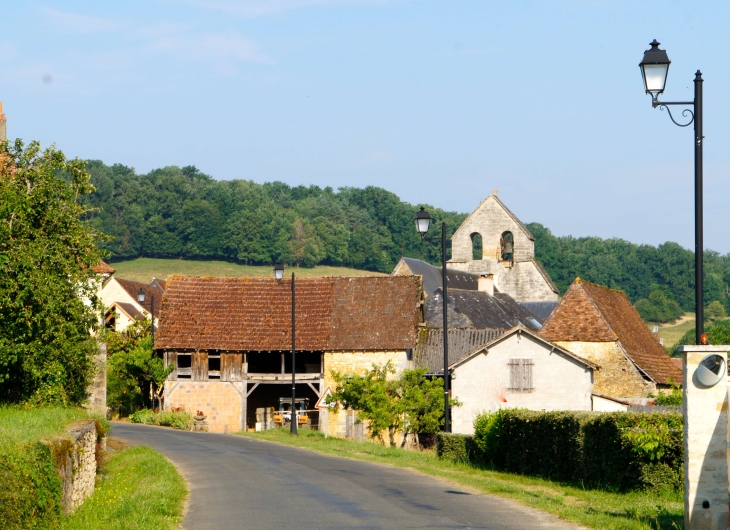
x=177 y=420
x=618 y=451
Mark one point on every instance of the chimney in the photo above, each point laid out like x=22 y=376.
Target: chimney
x=3 y=130
x=486 y=284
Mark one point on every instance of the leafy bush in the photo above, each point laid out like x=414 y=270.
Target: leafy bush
x=717 y=333
x=458 y=448
x=30 y=496
x=177 y=420
x=621 y=451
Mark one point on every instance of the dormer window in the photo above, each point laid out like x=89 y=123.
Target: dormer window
x=507 y=247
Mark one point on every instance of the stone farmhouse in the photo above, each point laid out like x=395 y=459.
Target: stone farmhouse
x=229 y=340
x=519 y=369
x=121 y=306
x=507 y=252
x=601 y=325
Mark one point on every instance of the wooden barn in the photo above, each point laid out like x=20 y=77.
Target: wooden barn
x=229 y=339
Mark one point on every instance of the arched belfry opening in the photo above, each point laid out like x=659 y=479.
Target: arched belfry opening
x=476 y=246
x=507 y=247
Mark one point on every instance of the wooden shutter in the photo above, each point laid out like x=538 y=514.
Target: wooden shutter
x=200 y=366
x=236 y=366
x=171 y=359
x=527 y=375
x=225 y=367
x=514 y=375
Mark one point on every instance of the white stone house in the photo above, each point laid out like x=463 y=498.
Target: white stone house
x=519 y=369
x=121 y=306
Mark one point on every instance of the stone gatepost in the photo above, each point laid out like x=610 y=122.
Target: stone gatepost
x=705 y=437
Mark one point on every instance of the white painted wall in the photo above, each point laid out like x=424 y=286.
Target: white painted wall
x=608 y=405
x=559 y=381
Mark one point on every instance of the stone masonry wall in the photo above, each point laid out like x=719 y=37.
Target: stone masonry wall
x=221 y=401
x=357 y=363
x=75 y=455
x=491 y=221
x=617 y=376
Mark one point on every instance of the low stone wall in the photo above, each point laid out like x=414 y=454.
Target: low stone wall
x=75 y=454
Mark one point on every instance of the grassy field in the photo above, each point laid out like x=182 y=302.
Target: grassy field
x=595 y=509
x=144 y=269
x=138 y=488
x=20 y=425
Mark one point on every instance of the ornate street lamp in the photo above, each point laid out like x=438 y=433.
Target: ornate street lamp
x=654 y=69
x=422 y=220
x=279 y=275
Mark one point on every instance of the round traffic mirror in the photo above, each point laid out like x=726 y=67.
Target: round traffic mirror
x=711 y=370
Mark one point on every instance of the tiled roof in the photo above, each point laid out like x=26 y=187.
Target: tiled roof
x=519 y=329
x=593 y=313
x=129 y=310
x=102 y=268
x=430 y=349
x=160 y=284
x=432 y=276
x=477 y=309
x=254 y=314
x=541 y=310
x=149 y=292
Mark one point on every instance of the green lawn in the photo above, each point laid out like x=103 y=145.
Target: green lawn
x=137 y=488
x=595 y=509
x=22 y=425
x=144 y=269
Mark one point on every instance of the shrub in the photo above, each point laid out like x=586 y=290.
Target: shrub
x=30 y=496
x=619 y=451
x=458 y=448
x=178 y=419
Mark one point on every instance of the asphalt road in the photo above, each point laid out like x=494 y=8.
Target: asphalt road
x=237 y=482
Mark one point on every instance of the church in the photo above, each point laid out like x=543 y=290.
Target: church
x=507 y=252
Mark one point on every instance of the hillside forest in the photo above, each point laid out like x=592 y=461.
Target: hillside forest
x=181 y=212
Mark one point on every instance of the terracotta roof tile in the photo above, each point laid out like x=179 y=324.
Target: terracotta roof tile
x=254 y=314
x=102 y=268
x=593 y=313
x=149 y=291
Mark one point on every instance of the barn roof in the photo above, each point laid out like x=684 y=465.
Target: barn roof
x=254 y=314
x=594 y=313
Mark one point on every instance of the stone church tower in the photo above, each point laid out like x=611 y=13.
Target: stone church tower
x=508 y=253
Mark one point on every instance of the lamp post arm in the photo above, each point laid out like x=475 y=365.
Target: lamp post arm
x=665 y=105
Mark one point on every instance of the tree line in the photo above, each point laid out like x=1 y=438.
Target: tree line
x=181 y=212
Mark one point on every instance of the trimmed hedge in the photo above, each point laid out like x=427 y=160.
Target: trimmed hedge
x=618 y=451
x=177 y=420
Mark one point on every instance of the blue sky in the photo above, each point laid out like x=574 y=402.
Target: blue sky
x=439 y=102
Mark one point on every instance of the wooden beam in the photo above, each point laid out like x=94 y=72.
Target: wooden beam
x=319 y=394
x=248 y=393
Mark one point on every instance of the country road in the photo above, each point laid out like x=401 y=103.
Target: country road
x=237 y=482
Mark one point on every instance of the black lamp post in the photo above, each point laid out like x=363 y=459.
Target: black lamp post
x=654 y=69
x=423 y=221
x=140 y=299
x=279 y=275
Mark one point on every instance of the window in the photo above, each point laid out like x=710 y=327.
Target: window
x=520 y=375
x=214 y=366
x=184 y=366
x=507 y=247
x=476 y=246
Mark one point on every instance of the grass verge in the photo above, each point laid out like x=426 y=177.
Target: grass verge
x=19 y=425
x=137 y=488
x=144 y=269
x=593 y=508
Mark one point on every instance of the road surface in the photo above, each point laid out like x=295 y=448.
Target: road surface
x=237 y=482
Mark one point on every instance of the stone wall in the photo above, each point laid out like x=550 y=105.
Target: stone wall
x=97 y=389
x=490 y=220
x=482 y=383
x=356 y=363
x=221 y=401
x=75 y=454
x=617 y=377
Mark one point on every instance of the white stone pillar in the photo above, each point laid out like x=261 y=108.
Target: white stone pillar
x=705 y=442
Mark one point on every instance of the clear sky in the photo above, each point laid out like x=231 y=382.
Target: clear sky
x=437 y=101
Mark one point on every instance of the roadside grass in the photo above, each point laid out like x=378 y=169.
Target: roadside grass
x=19 y=425
x=137 y=488
x=593 y=508
x=144 y=269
